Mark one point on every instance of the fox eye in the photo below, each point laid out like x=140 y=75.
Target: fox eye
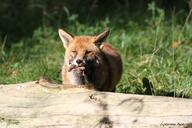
x=87 y=52
x=73 y=51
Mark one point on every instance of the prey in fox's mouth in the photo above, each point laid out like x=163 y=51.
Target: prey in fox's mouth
x=83 y=70
x=80 y=66
x=76 y=65
x=77 y=69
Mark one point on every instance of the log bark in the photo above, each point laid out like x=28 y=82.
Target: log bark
x=29 y=105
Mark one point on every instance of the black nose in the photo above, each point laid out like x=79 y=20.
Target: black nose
x=78 y=61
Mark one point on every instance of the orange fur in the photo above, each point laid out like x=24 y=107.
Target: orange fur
x=107 y=68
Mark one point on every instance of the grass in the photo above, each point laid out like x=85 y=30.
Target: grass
x=157 y=55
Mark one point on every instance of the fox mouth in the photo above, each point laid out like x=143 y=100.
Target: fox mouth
x=77 y=69
x=84 y=74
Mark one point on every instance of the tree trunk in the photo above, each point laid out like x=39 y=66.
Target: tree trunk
x=29 y=105
x=190 y=4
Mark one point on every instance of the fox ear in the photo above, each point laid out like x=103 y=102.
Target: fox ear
x=65 y=37
x=101 y=37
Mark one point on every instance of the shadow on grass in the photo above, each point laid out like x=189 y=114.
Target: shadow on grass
x=149 y=90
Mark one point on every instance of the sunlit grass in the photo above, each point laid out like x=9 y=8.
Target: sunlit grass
x=157 y=51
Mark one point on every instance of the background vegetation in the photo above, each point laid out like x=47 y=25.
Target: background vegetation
x=154 y=38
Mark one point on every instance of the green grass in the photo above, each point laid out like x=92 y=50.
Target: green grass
x=146 y=49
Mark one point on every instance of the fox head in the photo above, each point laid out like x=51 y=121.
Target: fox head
x=82 y=50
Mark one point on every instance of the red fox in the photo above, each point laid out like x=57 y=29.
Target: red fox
x=90 y=61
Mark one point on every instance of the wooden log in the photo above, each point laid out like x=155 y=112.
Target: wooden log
x=28 y=105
